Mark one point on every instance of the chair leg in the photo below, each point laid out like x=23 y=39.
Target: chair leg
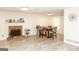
x=56 y=35
x=53 y=37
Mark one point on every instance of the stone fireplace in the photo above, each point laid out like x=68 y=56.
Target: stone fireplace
x=15 y=31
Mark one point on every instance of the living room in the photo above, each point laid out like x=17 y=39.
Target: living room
x=16 y=20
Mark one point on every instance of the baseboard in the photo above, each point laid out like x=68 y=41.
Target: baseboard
x=72 y=42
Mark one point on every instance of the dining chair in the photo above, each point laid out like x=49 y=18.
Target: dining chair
x=49 y=32
x=55 y=32
x=40 y=31
x=37 y=29
x=44 y=31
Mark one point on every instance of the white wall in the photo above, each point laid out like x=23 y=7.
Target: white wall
x=71 y=28
x=59 y=22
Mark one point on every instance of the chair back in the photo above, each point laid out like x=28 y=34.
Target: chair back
x=55 y=29
x=37 y=26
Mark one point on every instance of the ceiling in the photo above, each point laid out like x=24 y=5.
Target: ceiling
x=34 y=9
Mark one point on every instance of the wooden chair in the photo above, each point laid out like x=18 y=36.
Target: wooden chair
x=40 y=31
x=55 y=32
x=44 y=31
x=37 y=29
x=49 y=31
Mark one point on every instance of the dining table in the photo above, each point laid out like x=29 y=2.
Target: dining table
x=45 y=32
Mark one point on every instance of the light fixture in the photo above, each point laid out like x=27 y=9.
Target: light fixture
x=24 y=8
x=49 y=14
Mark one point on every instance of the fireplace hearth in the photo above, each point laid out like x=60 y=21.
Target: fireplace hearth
x=15 y=31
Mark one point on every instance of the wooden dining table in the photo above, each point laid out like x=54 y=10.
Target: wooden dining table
x=45 y=31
